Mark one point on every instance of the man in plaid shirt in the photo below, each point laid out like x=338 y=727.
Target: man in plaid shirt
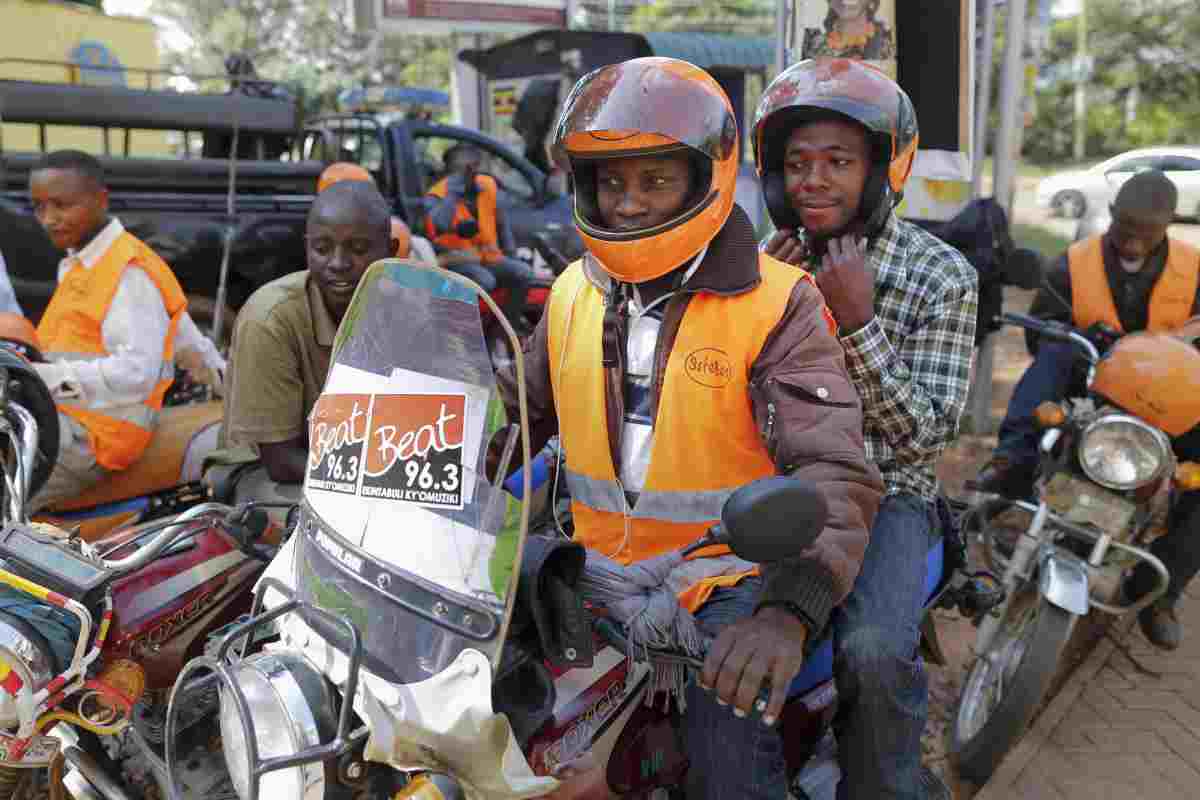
x=835 y=140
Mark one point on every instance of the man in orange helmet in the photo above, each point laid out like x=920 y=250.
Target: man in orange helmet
x=834 y=142
x=1133 y=277
x=110 y=332
x=470 y=233
x=407 y=245
x=677 y=364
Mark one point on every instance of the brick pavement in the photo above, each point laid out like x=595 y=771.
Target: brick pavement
x=1114 y=731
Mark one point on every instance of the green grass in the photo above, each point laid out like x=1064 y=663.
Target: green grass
x=1046 y=242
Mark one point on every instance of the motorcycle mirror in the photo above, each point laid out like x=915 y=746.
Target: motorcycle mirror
x=769 y=520
x=1023 y=268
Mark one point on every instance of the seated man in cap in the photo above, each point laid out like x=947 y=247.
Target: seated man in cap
x=1131 y=278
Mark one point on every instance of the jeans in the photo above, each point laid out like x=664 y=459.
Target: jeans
x=510 y=273
x=730 y=757
x=882 y=687
x=1052 y=376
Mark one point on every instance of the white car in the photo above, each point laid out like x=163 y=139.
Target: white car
x=1073 y=194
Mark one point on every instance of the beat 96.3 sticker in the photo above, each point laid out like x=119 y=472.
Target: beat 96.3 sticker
x=403 y=447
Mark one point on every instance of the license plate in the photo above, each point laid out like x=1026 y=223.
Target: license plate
x=40 y=752
x=1084 y=503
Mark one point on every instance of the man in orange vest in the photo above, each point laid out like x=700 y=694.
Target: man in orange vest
x=677 y=363
x=469 y=231
x=1131 y=278
x=109 y=332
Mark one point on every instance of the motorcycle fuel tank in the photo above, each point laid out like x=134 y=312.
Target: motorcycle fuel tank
x=163 y=613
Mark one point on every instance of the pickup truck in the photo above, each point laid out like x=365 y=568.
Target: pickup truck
x=178 y=204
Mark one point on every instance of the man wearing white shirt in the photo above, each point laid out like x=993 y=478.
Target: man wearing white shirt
x=109 y=332
x=8 y=297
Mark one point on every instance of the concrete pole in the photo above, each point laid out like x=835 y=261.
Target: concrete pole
x=783 y=9
x=1081 y=76
x=983 y=93
x=1012 y=85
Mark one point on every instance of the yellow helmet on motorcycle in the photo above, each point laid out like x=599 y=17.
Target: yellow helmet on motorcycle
x=837 y=88
x=646 y=107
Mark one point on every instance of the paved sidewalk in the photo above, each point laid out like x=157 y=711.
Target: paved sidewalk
x=1114 y=731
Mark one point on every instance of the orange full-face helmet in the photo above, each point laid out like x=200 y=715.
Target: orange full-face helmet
x=342 y=171
x=649 y=106
x=17 y=333
x=824 y=88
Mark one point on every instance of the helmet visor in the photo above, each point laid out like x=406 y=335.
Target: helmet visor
x=623 y=108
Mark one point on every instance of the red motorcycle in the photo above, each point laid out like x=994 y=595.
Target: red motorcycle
x=92 y=634
x=408 y=663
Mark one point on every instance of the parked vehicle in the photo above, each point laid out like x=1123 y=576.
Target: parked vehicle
x=1106 y=460
x=415 y=642
x=93 y=634
x=1072 y=194
x=178 y=205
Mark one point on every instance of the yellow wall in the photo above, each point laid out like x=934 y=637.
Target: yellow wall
x=50 y=31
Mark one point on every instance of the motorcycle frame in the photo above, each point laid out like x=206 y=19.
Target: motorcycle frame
x=1064 y=579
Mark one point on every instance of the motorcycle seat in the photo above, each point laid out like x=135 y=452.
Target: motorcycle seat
x=818 y=667
x=171 y=459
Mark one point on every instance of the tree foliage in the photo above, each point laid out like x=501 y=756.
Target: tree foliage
x=1144 y=87
x=311 y=44
x=739 y=17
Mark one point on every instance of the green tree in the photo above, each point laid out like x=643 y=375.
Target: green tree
x=739 y=17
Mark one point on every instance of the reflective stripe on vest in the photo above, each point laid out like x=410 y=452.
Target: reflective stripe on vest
x=71 y=329
x=1171 y=299
x=487 y=242
x=706 y=442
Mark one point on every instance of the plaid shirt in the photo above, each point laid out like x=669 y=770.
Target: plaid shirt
x=911 y=364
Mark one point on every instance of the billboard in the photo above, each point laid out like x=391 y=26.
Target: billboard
x=441 y=17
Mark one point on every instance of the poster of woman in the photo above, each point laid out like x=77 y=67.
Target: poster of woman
x=860 y=29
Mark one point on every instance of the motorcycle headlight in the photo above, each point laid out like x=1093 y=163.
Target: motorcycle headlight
x=290 y=709
x=1122 y=453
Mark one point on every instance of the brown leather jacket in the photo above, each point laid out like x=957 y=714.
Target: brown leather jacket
x=804 y=404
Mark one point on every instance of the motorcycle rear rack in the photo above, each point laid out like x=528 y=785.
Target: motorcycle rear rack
x=221 y=673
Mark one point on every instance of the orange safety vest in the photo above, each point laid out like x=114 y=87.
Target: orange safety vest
x=487 y=242
x=71 y=328
x=1171 y=299
x=706 y=442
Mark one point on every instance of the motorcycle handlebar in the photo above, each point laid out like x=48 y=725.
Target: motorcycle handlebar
x=151 y=550
x=1056 y=331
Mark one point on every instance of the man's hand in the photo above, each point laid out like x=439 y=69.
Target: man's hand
x=768 y=646
x=848 y=286
x=784 y=246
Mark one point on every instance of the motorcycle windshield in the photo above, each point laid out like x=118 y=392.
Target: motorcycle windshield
x=401 y=533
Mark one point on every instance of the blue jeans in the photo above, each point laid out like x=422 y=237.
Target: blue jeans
x=511 y=273
x=730 y=757
x=882 y=687
x=1049 y=377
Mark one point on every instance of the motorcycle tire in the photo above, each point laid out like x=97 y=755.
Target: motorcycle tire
x=1041 y=640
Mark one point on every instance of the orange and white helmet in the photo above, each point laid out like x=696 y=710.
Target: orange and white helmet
x=342 y=171
x=822 y=88
x=649 y=106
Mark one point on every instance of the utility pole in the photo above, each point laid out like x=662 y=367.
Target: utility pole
x=783 y=10
x=1081 y=78
x=983 y=92
x=612 y=15
x=1012 y=85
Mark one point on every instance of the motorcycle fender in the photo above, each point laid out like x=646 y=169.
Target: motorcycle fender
x=1063 y=580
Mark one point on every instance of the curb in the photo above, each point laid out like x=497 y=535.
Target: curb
x=999 y=786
